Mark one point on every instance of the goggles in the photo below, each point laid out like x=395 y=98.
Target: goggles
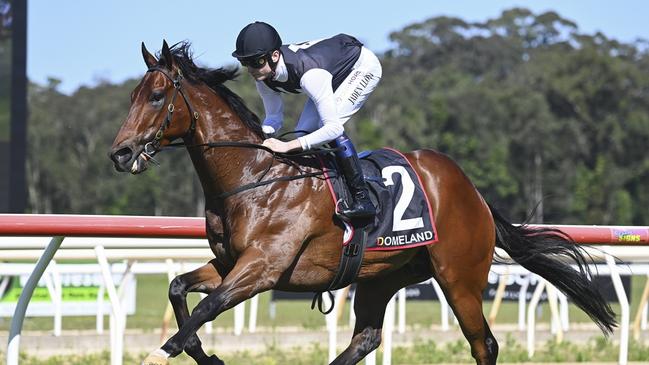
x=254 y=62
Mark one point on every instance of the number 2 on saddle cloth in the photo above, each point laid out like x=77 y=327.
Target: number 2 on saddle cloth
x=404 y=216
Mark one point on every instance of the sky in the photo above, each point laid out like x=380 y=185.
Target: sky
x=83 y=42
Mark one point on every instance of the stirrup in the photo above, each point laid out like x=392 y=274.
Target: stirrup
x=360 y=213
x=338 y=210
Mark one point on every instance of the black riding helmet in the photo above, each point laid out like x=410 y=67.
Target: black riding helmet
x=256 y=39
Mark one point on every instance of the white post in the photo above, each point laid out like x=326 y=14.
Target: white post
x=116 y=327
x=13 y=345
x=388 y=329
x=123 y=285
x=239 y=318
x=331 y=320
x=4 y=283
x=252 y=322
x=522 y=298
x=370 y=359
x=624 y=307
x=112 y=329
x=56 y=302
x=503 y=278
x=564 y=311
x=100 y=308
x=402 y=310
x=555 y=322
x=531 y=313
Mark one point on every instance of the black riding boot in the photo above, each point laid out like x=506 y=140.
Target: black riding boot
x=361 y=205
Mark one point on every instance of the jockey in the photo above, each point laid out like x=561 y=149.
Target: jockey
x=337 y=73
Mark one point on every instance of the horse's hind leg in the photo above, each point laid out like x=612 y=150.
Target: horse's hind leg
x=204 y=279
x=463 y=289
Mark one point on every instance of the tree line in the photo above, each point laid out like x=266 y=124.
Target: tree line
x=542 y=118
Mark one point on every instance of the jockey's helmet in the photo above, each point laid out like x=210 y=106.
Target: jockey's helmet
x=257 y=39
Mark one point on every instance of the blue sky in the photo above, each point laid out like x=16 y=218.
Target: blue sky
x=83 y=42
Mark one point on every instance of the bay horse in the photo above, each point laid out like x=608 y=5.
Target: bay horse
x=271 y=232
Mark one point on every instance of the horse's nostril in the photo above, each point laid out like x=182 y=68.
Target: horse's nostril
x=122 y=155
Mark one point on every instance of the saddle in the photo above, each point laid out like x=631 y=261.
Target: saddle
x=404 y=216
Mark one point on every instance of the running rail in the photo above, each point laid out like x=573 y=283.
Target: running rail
x=60 y=226
x=52 y=225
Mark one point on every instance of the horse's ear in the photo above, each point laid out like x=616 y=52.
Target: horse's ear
x=166 y=59
x=149 y=59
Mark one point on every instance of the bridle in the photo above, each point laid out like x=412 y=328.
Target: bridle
x=152 y=147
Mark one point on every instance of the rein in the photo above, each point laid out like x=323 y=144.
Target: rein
x=153 y=147
x=276 y=155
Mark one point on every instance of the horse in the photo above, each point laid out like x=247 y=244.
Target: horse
x=267 y=231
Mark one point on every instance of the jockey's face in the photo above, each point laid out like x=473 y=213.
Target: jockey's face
x=266 y=71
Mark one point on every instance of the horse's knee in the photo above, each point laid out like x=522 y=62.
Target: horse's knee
x=177 y=288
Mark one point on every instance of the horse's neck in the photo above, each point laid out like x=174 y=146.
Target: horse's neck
x=222 y=169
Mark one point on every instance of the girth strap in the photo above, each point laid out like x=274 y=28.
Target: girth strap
x=348 y=269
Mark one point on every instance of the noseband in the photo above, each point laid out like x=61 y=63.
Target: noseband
x=153 y=147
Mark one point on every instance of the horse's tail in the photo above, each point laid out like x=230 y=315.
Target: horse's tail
x=549 y=252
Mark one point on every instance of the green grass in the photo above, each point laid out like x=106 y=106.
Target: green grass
x=152 y=300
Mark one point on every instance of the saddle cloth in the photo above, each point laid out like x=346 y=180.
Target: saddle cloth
x=404 y=217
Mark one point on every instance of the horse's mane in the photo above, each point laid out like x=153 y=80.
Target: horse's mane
x=214 y=78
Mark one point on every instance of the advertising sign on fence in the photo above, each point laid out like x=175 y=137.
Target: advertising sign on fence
x=79 y=295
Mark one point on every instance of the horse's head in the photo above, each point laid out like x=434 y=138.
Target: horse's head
x=160 y=112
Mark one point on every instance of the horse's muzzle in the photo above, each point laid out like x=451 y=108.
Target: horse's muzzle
x=122 y=158
x=127 y=160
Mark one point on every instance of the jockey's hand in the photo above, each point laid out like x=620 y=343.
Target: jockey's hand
x=280 y=146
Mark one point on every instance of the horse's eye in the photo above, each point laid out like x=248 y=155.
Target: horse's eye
x=157 y=96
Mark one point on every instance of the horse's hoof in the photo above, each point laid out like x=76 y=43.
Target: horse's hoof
x=155 y=359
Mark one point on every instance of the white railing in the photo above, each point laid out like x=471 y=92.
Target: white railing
x=97 y=245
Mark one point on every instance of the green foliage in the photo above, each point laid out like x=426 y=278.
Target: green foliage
x=532 y=109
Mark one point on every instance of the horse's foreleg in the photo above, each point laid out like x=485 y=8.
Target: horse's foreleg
x=251 y=275
x=204 y=280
